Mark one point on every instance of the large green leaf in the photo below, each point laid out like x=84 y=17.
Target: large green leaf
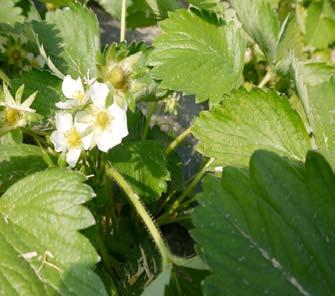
x=269 y=231
x=42 y=252
x=197 y=56
x=322 y=100
x=247 y=121
x=17 y=161
x=320 y=24
x=261 y=22
x=144 y=166
x=49 y=90
x=9 y=14
x=70 y=37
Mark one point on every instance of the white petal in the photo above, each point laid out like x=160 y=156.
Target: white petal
x=72 y=157
x=107 y=140
x=58 y=139
x=69 y=104
x=119 y=123
x=83 y=121
x=64 y=122
x=71 y=86
x=8 y=96
x=98 y=93
x=27 y=103
x=88 y=141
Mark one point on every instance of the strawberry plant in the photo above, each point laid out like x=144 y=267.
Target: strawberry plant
x=94 y=198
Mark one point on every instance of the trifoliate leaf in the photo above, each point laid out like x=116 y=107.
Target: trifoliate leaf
x=320 y=24
x=49 y=90
x=9 y=14
x=42 y=252
x=70 y=37
x=144 y=166
x=322 y=100
x=247 y=121
x=18 y=161
x=198 y=57
x=262 y=23
x=268 y=231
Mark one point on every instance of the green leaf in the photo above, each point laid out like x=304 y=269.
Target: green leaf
x=247 y=121
x=18 y=161
x=158 y=286
x=49 y=90
x=140 y=13
x=9 y=14
x=268 y=231
x=205 y=4
x=144 y=166
x=322 y=100
x=320 y=24
x=198 y=57
x=262 y=23
x=70 y=37
x=42 y=252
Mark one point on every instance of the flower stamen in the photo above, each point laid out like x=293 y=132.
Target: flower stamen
x=12 y=116
x=102 y=119
x=73 y=138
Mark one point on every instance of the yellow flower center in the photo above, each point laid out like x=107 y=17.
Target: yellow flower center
x=118 y=78
x=102 y=119
x=12 y=116
x=73 y=138
x=79 y=95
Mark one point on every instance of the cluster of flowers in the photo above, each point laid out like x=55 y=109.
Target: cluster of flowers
x=88 y=120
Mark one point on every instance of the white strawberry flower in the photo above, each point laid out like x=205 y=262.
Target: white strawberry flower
x=15 y=113
x=74 y=91
x=70 y=138
x=108 y=124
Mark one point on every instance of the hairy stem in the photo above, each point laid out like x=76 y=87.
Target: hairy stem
x=151 y=110
x=123 y=20
x=173 y=145
x=142 y=212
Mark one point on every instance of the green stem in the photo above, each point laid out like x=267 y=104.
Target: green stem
x=151 y=110
x=187 y=191
x=123 y=20
x=265 y=79
x=173 y=145
x=145 y=216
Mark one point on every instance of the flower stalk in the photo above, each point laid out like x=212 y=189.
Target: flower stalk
x=145 y=216
x=174 y=144
x=123 y=21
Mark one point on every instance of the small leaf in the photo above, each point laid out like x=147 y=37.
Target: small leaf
x=262 y=23
x=18 y=161
x=322 y=100
x=320 y=24
x=247 y=121
x=42 y=252
x=268 y=231
x=158 y=286
x=70 y=37
x=144 y=166
x=198 y=57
